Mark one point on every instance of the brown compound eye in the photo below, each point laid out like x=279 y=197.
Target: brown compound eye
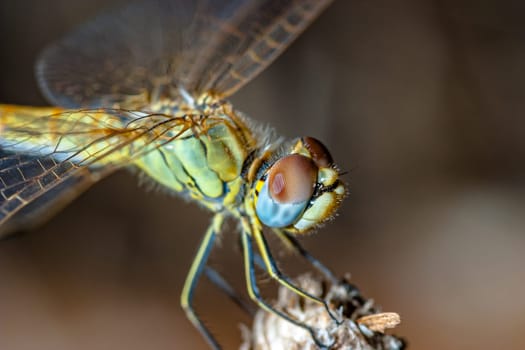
x=292 y=179
x=319 y=152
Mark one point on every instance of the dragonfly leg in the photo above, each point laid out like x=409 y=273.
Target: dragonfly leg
x=284 y=280
x=292 y=242
x=253 y=290
x=219 y=281
x=194 y=274
x=259 y=261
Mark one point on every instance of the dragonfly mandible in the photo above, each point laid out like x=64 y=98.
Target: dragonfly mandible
x=145 y=87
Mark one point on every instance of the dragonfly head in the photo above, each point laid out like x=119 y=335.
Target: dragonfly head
x=301 y=189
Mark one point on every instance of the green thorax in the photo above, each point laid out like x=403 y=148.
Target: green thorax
x=205 y=158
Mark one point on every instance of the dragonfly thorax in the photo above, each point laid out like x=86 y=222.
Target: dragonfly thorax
x=202 y=156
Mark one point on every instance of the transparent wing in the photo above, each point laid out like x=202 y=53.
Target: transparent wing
x=150 y=48
x=46 y=161
x=33 y=204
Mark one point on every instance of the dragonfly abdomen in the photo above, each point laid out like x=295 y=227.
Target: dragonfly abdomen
x=85 y=137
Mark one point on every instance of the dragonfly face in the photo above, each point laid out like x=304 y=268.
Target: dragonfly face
x=300 y=190
x=145 y=87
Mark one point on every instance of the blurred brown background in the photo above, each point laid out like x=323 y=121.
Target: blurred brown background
x=423 y=103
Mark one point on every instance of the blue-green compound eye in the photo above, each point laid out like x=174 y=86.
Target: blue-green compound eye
x=286 y=191
x=274 y=214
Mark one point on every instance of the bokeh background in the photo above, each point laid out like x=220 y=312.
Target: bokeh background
x=422 y=102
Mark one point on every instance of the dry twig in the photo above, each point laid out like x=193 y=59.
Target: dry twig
x=362 y=328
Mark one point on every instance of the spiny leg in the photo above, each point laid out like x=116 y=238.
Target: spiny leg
x=292 y=243
x=284 y=280
x=194 y=274
x=260 y=263
x=254 y=293
x=258 y=260
x=219 y=281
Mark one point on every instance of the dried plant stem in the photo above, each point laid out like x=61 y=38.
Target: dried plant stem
x=362 y=328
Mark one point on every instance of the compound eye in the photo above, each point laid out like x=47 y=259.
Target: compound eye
x=288 y=187
x=318 y=151
x=292 y=179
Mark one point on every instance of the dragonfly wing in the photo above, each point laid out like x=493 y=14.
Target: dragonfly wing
x=130 y=56
x=47 y=160
x=24 y=202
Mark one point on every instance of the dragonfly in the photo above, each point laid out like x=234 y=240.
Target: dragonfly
x=145 y=87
